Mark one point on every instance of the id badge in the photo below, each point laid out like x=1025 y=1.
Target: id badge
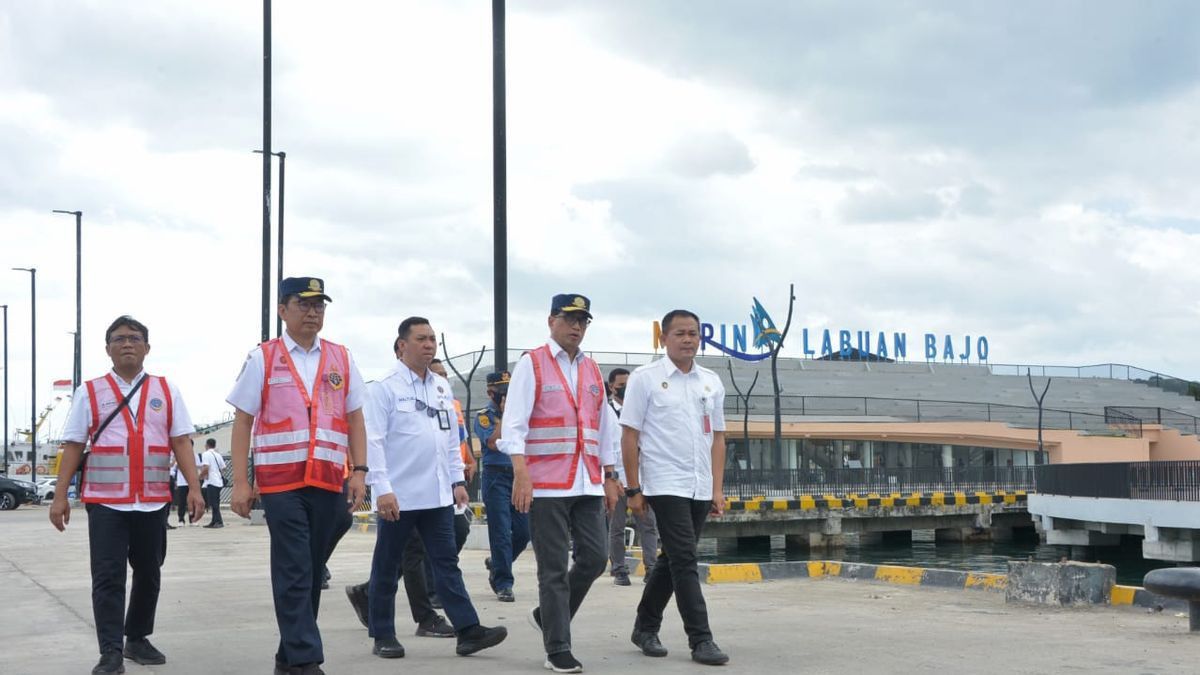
x=444 y=420
x=707 y=423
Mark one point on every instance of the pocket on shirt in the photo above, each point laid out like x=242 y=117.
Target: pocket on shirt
x=663 y=399
x=408 y=406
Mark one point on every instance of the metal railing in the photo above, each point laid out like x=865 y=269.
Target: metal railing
x=745 y=483
x=1175 y=481
x=1112 y=421
x=1165 y=416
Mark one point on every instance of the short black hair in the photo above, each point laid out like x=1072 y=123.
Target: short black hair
x=396 y=345
x=127 y=321
x=614 y=373
x=407 y=324
x=210 y=443
x=677 y=314
x=435 y=360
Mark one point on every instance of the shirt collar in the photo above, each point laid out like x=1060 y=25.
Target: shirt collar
x=669 y=368
x=292 y=345
x=411 y=376
x=556 y=349
x=121 y=381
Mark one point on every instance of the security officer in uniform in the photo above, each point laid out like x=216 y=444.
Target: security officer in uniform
x=302 y=398
x=508 y=528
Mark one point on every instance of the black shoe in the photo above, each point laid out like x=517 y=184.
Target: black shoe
x=621 y=579
x=535 y=618
x=306 y=669
x=648 y=643
x=505 y=595
x=358 y=600
x=110 y=662
x=487 y=562
x=563 y=662
x=435 y=627
x=170 y=526
x=709 y=654
x=141 y=651
x=215 y=526
x=281 y=669
x=388 y=648
x=478 y=637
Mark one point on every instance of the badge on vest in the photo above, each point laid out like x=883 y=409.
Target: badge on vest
x=156 y=404
x=594 y=389
x=546 y=388
x=335 y=380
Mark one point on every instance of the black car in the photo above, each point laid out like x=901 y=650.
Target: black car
x=14 y=493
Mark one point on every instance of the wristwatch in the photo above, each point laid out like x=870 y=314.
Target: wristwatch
x=461 y=484
x=612 y=475
x=361 y=467
x=633 y=491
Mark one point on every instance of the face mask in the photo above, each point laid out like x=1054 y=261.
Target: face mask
x=498 y=396
x=619 y=392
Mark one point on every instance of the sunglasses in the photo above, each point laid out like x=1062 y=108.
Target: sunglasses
x=430 y=411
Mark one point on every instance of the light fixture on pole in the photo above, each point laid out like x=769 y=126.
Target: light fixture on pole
x=32 y=369
x=77 y=375
x=279 y=236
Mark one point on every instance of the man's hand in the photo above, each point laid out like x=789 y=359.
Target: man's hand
x=358 y=490
x=460 y=496
x=387 y=506
x=195 y=505
x=718 y=502
x=60 y=511
x=612 y=494
x=469 y=472
x=242 y=498
x=637 y=504
x=522 y=492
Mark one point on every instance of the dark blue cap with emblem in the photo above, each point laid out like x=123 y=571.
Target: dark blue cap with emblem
x=571 y=303
x=304 y=287
x=502 y=377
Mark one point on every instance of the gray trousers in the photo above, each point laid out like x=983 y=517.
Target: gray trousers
x=554 y=522
x=647 y=534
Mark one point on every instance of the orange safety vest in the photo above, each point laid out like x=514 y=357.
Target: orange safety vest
x=132 y=461
x=464 y=448
x=301 y=440
x=563 y=426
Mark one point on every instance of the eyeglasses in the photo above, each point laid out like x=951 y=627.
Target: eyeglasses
x=307 y=306
x=429 y=410
x=573 y=320
x=126 y=339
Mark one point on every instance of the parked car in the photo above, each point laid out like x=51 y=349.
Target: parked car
x=14 y=493
x=45 y=488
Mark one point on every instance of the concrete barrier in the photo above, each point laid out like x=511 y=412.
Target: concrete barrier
x=816 y=569
x=1069 y=583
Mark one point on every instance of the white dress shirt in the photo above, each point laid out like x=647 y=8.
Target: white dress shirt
x=215 y=464
x=670 y=409
x=408 y=452
x=247 y=391
x=80 y=417
x=514 y=426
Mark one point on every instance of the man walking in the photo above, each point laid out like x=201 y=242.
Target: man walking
x=212 y=466
x=302 y=397
x=561 y=438
x=131 y=422
x=647 y=532
x=416 y=476
x=508 y=528
x=673 y=443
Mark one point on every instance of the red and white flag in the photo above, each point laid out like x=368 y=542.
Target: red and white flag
x=62 y=385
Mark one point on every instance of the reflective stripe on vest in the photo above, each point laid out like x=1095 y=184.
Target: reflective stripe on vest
x=130 y=460
x=301 y=439
x=564 y=425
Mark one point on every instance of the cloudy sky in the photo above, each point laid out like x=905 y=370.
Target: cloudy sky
x=1025 y=171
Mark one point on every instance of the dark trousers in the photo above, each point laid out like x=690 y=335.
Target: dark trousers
x=301 y=524
x=647 y=532
x=343 y=520
x=462 y=528
x=508 y=529
x=554 y=522
x=212 y=497
x=114 y=538
x=680 y=521
x=181 y=495
x=435 y=527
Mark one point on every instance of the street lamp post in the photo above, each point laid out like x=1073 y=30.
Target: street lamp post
x=279 y=236
x=77 y=375
x=5 y=389
x=32 y=368
x=499 y=191
x=266 y=205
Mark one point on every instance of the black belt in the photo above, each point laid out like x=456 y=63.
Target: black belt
x=500 y=468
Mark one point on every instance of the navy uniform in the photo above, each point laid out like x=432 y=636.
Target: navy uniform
x=508 y=529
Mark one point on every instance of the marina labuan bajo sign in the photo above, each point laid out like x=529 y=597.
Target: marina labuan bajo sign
x=761 y=334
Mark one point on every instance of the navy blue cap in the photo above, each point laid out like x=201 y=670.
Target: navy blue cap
x=502 y=377
x=305 y=287
x=569 y=303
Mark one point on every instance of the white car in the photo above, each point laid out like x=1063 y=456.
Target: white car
x=45 y=488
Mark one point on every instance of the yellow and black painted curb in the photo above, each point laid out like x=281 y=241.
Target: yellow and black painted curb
x=895 y=499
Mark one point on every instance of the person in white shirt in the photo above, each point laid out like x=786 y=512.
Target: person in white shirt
x=416 y=478
x=179 y=479
x=562 y=437
x=647 y=531
x=673 y=444
x=212 y=466
x=130 y=422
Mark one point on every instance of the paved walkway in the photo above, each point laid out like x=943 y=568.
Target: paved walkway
x=215 y=617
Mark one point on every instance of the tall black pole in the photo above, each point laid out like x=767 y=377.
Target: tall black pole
x=33 y=367
x=499 y=191
x=279 y=241
x=266 y=205
x=5 y=389
x=77 y=373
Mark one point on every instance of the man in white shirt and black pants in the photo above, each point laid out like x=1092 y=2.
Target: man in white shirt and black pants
x=561 y=436
x=673 y=445
x=416 y=476
x=212 y=464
